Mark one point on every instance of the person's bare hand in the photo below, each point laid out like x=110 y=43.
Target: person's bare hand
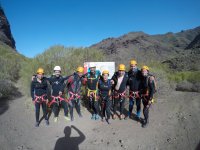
x=112 y=82
x=60 y=93
x=32 y=78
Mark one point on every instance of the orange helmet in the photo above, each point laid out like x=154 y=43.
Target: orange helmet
x=133 y=62
x=80 y=69
x=121 y=67
x=105 y=72
x=40 y=71
x=145 y=68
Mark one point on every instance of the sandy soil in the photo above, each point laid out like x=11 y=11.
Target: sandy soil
x=174 y=124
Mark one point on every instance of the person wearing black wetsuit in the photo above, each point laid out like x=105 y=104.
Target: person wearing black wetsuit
x=134 y=83
x=147 y=92
x=92 y=79
x=74 y=84
x=120 y=79
x=105 y=87
x=39 y=95
x=58 y=99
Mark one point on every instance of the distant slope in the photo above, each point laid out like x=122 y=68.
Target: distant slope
x=146 y=48
x=136 y=45
x=189 y=61
x=180 y=39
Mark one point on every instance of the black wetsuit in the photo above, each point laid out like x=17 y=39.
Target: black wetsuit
x=119 y=95
x=37 y=90
x=57 y=84
x=105 y=97
x=147 y=91
x=74 y=85
x=134 y=83
x=92 y=87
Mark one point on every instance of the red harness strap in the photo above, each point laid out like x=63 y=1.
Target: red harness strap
x=54 y=100
x=133 y=94
x=40 y=99
x=73 y=96
x=119 y=95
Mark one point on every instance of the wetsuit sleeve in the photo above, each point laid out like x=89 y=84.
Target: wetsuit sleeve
x=47 y=86
x=128 y=82
x=151 y=89
x=140 y=87
x=84 y=78
x=114 y=78
x=126 y=74
x=62 y=87
x=48 y=79
x=32 y=89
x=66 y=77
x=85 y=75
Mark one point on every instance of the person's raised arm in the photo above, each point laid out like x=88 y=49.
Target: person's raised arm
x=81 y=137
x=151 y=89
x=67 y=77
x=32 y=90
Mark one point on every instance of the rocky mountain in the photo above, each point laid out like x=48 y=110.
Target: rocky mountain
x=5 y=32
x=147 y=48
x=181 y=39
x=195 y=43
x=188 y=61
x=180 y=51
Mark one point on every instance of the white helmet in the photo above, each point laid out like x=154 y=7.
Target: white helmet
x=57 y=68
x=92 y=65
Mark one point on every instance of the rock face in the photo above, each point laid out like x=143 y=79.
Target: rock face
x=5 y=32
x=195 y=43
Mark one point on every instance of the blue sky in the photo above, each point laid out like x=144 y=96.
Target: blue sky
x=38 y=24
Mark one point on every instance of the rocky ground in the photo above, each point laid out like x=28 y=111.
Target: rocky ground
x=174 y=124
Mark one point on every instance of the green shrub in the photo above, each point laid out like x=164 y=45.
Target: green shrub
x=191 y=76
x=7 y=89
x=10 y=62
x=68 y=58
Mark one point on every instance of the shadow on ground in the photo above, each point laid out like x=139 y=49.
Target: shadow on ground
x=198 y=147
x=70 y=143
x=4 y=101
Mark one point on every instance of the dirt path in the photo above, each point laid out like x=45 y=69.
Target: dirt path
x=174 y=124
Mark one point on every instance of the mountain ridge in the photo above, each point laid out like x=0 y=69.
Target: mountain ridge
x=145 y=48
x=6 y=36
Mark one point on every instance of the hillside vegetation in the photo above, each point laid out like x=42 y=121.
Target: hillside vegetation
x=10 y=62
x=68 y=58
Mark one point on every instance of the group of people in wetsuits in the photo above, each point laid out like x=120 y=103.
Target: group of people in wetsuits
x=103 y=95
